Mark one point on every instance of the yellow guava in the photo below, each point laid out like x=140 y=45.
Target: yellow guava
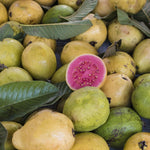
x=96 y=34
x=46 y=2
x=39 y=60
x=89 y=141
x=7 y=3
x=45 y=130
x=75 y=48
x=25 y=12
x=10 y=52
x=29 y=39
x=14 y=74
x=3 y=13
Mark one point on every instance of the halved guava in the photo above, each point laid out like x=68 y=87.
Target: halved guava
x=86 y=70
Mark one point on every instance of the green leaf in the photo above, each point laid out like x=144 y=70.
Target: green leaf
x=86 y=7
x=124 y=19
x=60 y=31
x=144 y=14
x=19 y=98
x=3 y=137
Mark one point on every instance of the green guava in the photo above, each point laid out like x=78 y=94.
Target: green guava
x=120 y=125
x=53 y=15
x=141 y=99
x=10 y=52
x=87 y=107
x=13 y=74
x=141 y=56
x=86 y=70
x=11 y=127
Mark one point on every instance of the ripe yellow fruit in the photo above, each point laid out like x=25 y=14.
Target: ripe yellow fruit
x=3 y=14
x=46 y=2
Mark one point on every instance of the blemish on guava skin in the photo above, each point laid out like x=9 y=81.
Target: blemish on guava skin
x=73 y=132
x=78 y=2
x=109 y=99
x=93 y=43
x=10 y=14
x=29 y=43
x=132 y=72
x=124 y=78
x=125 y=66
x=142 y=144
x=132 y=63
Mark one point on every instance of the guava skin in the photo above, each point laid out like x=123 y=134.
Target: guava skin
x=120 y=125
x=141 y=99
x=10 y=52
x=46 y=2
x=89 y=141
x=138 y=141
x=79 y=103
x=7 y=3
x=141 y=56
x=3 y=14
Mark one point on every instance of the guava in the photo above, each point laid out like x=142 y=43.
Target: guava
x=103 y=8
x=141 y=56
x=75 y=4
x=25 y=12
x=120 y=125
x=14 y=74
x=60 y=74
x=118 y=88
x=53 y=15
x=39 y=60
x=141 y=79
x=130 y=6
x=89 y=141
x=30 y=39
x=45 y=130
x=87 y=107
x=138 y=141
x=122 y=63
x=10 y=52
x=75 y=48
x=141 y=99
x=130 y=36
x=46 y=2
x=96 y=34
x=7 y=3
x=3 y=14
x=11 y=127
x=86 y=70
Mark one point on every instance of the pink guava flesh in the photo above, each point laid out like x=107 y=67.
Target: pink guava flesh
x=86 y=70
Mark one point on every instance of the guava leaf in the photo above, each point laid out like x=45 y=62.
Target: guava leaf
x=56 y=31
x=144 y=14
x=3 y=137
x=19 y=98
x=124 y=19
x=111 y=50
x=86 y=7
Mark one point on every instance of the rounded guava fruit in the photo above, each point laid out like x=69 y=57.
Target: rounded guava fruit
x=45 y=130
x=103 y=8
x=60 y=74
x=141 y=56
x=122 y=63
x=120 y=125
x=118 y=88
x=141 y=79
x=130 y=6
x=54 y=13
x=129 y=35
x=75 y=4
x=87 y=107
x=30 y=39
x=75 y=48
x=3 y=13
x=10 y=52
x=89 y=141
x=25 y=12
x=11 y=127
x=86 y=70
x=39 y=60
x=96 y=34
x=141 y=99
x=138 y=141
x=14 y=74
